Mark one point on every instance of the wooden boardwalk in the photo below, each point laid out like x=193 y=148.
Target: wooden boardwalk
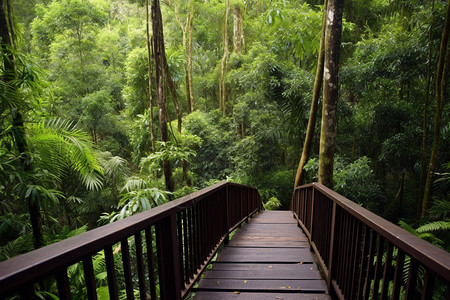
x=268 y=258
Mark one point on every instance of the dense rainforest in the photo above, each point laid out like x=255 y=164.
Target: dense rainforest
x=109 y=108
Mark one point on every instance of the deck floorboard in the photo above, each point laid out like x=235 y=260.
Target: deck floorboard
x=268 y=258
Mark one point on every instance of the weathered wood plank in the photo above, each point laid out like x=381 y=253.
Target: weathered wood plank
x=281 y=255
x=264 y=274
x=204 y=295
x=257 y=267
x=267 y=244
x=274 y=217
x=316 y=286
x=268 y=258
x=240 y=237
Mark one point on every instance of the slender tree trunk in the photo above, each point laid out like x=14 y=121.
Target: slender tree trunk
x=441 y=94
x=190 y=30
x=159 y=52
x=238 y=29
x=299 y=178
x=186 y=28
x=150 y=74
x=423 y=149
x=330 y=91
x=223 y=64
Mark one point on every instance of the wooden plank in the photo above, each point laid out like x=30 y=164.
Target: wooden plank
x=266 y=244
x=271 y=233
x=217 y=266
x=275 y=217
x=240 y=237
x=266 y=274
x=292 y=255
x=206 y=295
x=268 y=258
x=316 y=286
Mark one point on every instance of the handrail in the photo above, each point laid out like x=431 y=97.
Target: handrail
x=365 y=256
x=188 y=232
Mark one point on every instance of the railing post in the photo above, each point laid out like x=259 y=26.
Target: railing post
x=168 y=258
x=333 y=231
x=227 y=209
x=312 y=212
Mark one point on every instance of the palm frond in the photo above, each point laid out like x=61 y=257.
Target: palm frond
x=61 y=148
x=434 y=226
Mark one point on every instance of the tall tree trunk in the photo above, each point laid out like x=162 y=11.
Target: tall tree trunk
x=187 y=29
x=330 y=91
x=17 y=120
x=441 y=93
x=150 y=74
x=423 y=149
x=159 y=52
x=190 y=30
x=238 y=36
x=299 y=178
x=223 y=64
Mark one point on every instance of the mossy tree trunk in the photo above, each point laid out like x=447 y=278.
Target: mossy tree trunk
x=223 y=63
x=441 y=96
x=423 y=148
x=330 y=91
x=159 y=52
x=300 y=176
x=150 y=74
x=238 y=32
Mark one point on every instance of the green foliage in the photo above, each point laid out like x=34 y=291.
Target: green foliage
x=424 y=231
x=137 y=196
x=61 y=147
x=166 y=151
x=272 y=204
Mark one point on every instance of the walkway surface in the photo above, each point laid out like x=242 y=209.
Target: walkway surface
x=268 y=258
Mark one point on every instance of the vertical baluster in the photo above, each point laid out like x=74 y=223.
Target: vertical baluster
x=190 y=242
x=127 y=269
x=387 y=274
x=428 y=285
x=198 y=235
x=150 y=262
x=412 y=279
x=89 y=278
x=168 y=258
x=364 y=262
x=332 y=236
x=378 y=267
x=342 y=264
x=140 y=265
x=370 y=266
x=110 y=270
x=63 y=285
x=352 y=254
x=400 y=262
x=180 y=245
x=204 y=236
x=357 y=259
x=347 y=254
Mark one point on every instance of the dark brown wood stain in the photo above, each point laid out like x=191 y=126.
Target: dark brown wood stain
x=268 y=258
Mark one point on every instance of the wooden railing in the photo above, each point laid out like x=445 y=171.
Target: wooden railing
x=363 y=256
x=183 y=234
